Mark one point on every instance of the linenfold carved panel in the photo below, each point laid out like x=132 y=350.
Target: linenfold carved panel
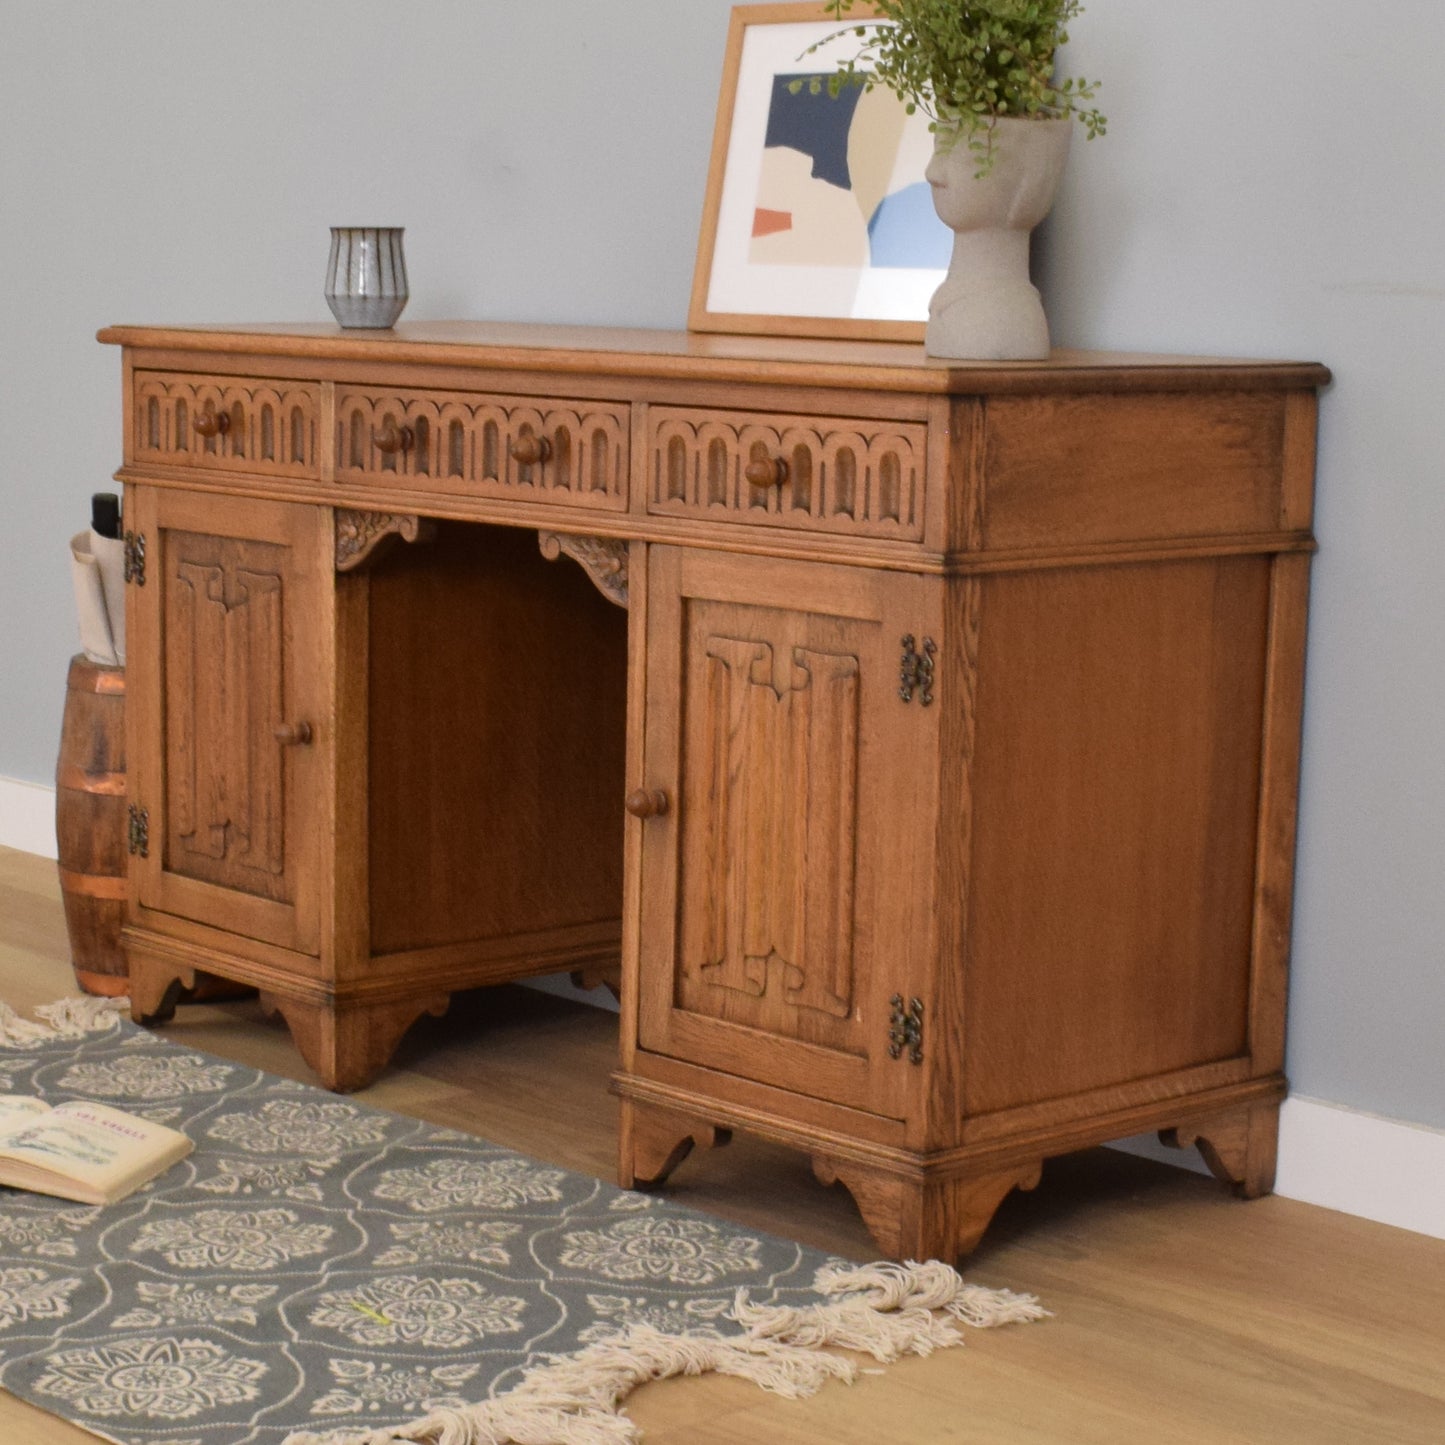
x=228 y=423
x=770 y=834
x=859 y=478
x=225 y=623
x=526 y=448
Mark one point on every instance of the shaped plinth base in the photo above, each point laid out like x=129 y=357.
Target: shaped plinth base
x=348 y=1044
x=652 y=1141
x=1239 y=1147
x=155 y=991
x=599 y=975
x=918 y=1219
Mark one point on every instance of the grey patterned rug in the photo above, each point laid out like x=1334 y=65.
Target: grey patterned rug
x=316 y=1266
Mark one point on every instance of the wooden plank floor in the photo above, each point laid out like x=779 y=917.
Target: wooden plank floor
x=1182 y=1316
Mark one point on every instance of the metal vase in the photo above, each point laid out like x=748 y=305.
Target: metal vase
x=366 y=277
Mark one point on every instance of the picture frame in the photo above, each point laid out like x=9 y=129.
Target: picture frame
x=817 y=220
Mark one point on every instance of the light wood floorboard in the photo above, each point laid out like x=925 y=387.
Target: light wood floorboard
x=1182 y=1316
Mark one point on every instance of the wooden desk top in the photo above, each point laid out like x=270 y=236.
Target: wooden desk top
x=688 y=355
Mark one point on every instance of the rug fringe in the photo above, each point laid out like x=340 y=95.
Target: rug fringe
x=888 y=1311
x=66 y=1018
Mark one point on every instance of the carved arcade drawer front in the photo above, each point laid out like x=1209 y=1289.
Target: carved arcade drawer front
x=226 y=423
x=821 y=474
x=535 y=449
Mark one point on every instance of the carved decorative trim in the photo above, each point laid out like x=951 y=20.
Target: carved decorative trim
x=604 y=559
x=359 y=534
x=774 y=866
x=226 y=422
x=818 y=473
x=492 y=446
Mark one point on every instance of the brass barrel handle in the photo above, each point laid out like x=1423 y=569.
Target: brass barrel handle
x=293 y=735
x=392 y=438
x=212 y=423
x=646 y=803
x=528 y=450
x=767 y=472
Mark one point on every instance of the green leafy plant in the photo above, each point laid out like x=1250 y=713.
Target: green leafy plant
x=967 y=63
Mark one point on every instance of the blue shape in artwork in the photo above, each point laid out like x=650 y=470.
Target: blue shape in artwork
x=816 y=125
x=905 y=230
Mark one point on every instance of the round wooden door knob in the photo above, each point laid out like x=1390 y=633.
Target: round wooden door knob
x=293 y=735
x=392 y=438
x=528 y=450
x=646 y=803
x=767 y=472
x=212 y=423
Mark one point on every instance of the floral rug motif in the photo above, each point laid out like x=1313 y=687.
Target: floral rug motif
x=317 y=1265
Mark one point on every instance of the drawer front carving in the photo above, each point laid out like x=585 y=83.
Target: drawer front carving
x=821 y=474
x=525 y=448
x=226 y=423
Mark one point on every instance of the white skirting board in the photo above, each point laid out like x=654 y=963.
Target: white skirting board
x=1345 y=1159
x=1329 y=1154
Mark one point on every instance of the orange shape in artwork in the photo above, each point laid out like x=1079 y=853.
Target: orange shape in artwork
x=769 y=223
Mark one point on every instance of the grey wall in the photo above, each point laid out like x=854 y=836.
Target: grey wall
x=1272 y=186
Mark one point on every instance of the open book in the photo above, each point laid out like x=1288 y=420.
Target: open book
x=76 y=1150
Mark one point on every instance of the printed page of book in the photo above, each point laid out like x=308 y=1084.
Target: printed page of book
x=103 y=1152
x=18 y=1111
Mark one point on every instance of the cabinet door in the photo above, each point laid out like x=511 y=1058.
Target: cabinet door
x=785 y=888
x=229 y=631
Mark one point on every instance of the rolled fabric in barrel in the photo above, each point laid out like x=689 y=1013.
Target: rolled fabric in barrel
x=90 y=823
x=92 y=612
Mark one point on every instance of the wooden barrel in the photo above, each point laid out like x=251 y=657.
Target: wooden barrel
x=90 y=823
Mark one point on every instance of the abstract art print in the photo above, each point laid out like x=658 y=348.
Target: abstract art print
x=818 y=220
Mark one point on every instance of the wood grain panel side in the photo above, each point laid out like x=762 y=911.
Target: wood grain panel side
x=945 y=1103
x=1065 y=470
x=1278 y=811
x=1115 y=794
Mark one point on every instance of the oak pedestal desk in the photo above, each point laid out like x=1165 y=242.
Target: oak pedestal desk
x=921 y=737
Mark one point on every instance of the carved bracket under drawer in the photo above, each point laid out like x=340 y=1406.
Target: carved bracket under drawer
x=359 y=534
x=604 y=559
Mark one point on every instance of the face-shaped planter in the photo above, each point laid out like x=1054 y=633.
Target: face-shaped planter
x=987 y=309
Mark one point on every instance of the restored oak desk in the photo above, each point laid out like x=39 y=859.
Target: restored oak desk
x=954 y=709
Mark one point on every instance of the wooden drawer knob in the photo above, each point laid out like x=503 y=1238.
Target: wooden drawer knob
x=392 y=438
x=767 y=472
x=293 y=735
x=528 y=450
x=213 y=423
x=646 y=803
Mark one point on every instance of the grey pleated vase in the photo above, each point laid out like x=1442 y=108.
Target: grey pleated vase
x=366 y=278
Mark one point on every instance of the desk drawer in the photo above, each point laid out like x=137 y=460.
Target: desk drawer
x=540 y=449
x=853 y=477
x=225 y=423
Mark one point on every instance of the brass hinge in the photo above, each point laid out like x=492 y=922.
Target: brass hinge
x=905 y=1029
x=135 y=558
x=917 y=671
x=138 y=839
